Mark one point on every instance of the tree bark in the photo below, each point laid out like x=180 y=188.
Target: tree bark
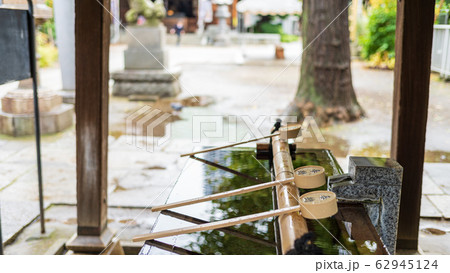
x=325 y=90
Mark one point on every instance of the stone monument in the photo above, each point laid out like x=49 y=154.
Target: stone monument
x=17 y=113
x=146 y=60
x=219 y=34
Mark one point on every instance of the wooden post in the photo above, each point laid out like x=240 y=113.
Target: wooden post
x=411 y=90
x=92 y=22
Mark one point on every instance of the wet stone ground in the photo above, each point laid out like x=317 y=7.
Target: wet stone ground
x=236 y=89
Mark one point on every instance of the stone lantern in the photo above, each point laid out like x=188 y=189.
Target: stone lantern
x=222 y=14
x=146 y=71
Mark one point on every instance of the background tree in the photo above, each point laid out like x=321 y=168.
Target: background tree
x=325 y=90
x=378 y=39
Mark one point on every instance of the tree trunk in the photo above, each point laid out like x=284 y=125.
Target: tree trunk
x=325 y=90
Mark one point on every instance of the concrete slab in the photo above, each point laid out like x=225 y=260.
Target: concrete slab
x=442 y=202
x=10 y=172
x=429 y=186
x=10 y=147
x=59 y=185
x=15 y=215
x=61 y=225
x=439 y=173
x=428 y=209
x=430 y=242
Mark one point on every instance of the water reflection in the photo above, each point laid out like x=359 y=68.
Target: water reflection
x=201 y=179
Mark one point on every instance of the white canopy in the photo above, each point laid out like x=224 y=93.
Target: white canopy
x=269 y=7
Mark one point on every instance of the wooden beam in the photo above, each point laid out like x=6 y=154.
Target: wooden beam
x=411 y=91
x=92 y=23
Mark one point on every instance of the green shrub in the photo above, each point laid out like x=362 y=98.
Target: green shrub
x=267 y=27
x=47 y=51
x=379 y=38
x=288 y=38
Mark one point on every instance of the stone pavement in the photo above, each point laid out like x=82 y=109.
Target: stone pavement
x=249 y=85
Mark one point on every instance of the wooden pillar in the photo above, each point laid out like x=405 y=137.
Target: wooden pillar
x=92 y=22
x=411 y=90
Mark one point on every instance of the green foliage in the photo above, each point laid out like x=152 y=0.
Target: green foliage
x=288 y=38
x=45 y=38
x=48 y=53
x=268 y=27
x=441 y=11
x=380 y=36
x=48 y=27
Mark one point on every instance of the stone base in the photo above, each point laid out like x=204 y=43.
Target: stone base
x=139 y=58
x=90 y=244
x=21 y=101
x=68 y=96
x=141 y=40
x=56 y=120
x=217 y=36
x=146 y=82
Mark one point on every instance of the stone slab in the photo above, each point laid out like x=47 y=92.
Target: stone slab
x=62 y=221
x=442 y=202
x=429 y=187
x=375 y=170
x=56 y=120
x=428 y=209
x=167 y=89
x=150 y=37
x=68 y=96
x=439 y=173
x=434 y=244
x=21 y=101
x=162 y=75
x=15 y=215
x=59 y=185
x=140 y=58
x=10 y=172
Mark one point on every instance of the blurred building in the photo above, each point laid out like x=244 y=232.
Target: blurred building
x=193 y=13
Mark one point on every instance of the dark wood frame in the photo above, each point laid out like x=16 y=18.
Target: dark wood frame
x=414 y=33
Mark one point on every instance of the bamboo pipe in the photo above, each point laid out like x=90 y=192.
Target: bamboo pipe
x=229 y=145
x=292 y=225
x=218 y=224
x=223 y=194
